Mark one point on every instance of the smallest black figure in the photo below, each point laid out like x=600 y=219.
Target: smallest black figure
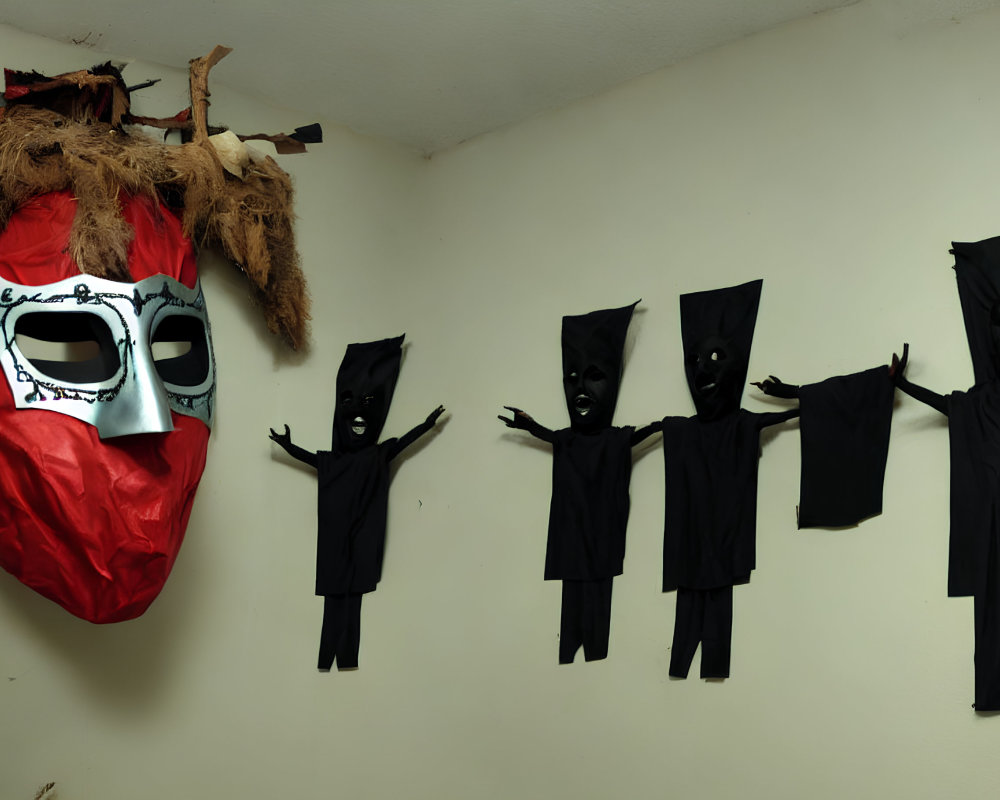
x=591 y=469
x=354 y=492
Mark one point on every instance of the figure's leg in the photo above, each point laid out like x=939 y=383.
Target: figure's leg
x=688 y=621
x=350 y=640
x=987 y=605
x=333 y=625
x=717 y=633
x=341 y=634
x=596 y=622
x=570 y=621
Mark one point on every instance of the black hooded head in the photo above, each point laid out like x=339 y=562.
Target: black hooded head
x=365 y=383
x=717 y=332
x=979 y=290
x=593 y=347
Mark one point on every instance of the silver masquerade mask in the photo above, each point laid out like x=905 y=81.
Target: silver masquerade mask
x=124 y=385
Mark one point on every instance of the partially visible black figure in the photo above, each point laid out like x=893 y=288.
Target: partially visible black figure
x=844 y=435
x=974 y=433
x=354 y=492
x=711 y=462
x=591 y=470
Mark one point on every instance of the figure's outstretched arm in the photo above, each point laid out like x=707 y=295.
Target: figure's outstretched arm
x=411 y=436
x=776 y=417
x=645 y=432
x=285 y=440
x=523 y=421
x=896 y=370
x=773 y=386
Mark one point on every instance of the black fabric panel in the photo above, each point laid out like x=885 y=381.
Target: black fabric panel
x=589 y=510
x=974 y=435
x=845 y=423
x=710 y=528
x=352 y=507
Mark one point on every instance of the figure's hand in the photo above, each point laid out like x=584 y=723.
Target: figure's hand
x=898 y=365
x=774 y=387
x=518 y=418
x=284 y=439
x=433 y=416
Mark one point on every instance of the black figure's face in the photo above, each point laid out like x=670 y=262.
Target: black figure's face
x=360 y=416
x=714 y=371
x=365 y=384
x=590 y=396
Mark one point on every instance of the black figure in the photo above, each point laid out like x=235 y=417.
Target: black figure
x=354 y=492
x=591 y=469
x=711 y=464
x=974 y=433
x=844 y=439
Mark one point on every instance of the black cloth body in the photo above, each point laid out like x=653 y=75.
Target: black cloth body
x=710 y=531
x=588 y=516
x=588 y=513
x=974 y=434
x=352 y=506
x=844 y=424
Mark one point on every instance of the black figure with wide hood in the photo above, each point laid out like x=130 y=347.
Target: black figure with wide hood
x=354 y=492
x=974 y=433
x=711 y=464
x=591 y=469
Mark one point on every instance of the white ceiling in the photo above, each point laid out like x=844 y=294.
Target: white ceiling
x=425 y=73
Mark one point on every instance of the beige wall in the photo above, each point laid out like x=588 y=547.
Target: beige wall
x=836 y=158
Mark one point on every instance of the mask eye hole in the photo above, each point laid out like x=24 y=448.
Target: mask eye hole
x=346 y=398
x=68 y=346
x=180 y=350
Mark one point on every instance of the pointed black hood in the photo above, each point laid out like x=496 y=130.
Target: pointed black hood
x=366 y=381
x=717 y=332
x=593 y=348
x=977 y=270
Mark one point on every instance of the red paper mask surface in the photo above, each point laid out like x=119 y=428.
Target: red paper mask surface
x=96 y=524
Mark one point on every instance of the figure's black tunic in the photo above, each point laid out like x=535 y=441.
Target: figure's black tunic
x=710 y=531
x=352 y=506
x=588 y=514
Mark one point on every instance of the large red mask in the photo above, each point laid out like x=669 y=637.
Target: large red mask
x=92 y=514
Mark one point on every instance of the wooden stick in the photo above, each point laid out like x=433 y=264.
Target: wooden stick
x=200 y=68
